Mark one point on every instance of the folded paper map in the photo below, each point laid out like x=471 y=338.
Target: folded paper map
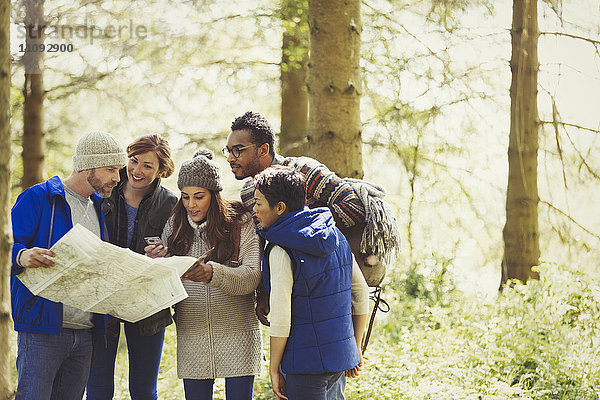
x=97 y=276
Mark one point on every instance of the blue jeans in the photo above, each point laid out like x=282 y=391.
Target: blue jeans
x=236 y=388
x=336 y=392
x=313 y=386
x=144 y=362
x=53 y=366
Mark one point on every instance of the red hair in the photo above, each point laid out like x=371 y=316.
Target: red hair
x=159 y=146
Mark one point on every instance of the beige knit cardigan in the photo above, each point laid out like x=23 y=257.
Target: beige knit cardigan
x=218 y=334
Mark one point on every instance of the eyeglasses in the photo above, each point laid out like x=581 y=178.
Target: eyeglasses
x=235 y=150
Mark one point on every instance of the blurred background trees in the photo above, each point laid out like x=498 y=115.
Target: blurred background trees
x=435 y=109
x=334 y=85
x=521 y=236
x=33 y=95
x=6 y=332
x=433 y=89
x=293 y=138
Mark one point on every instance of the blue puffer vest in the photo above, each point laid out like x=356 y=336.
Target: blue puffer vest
x=321 y=336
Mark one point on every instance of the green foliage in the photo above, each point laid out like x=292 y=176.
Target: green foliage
x=537 y=341
x=448 y=13
x=294 y=21
x=429 y=280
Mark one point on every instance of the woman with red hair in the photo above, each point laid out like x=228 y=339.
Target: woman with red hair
x=138 y=208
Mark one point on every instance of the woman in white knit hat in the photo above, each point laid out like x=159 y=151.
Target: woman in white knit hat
x=218 y=333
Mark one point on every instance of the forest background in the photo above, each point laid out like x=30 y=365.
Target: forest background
x=435 y=112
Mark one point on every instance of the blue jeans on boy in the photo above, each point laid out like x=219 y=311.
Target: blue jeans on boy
x=144 y=362
x=336 y=392
x=236 y=388
x=313 y=386
x=53 y=367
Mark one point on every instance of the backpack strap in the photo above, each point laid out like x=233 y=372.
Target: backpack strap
x=236 y=230
x=380 y=304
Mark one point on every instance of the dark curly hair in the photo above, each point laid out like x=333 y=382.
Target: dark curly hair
x=280 y=183
x=260 y=130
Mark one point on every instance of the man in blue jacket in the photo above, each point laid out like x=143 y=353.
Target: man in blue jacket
x=54 y=347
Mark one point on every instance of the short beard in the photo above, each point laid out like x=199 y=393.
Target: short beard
x=250 y=170
x=97 y=184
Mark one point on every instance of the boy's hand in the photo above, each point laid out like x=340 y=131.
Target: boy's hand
x=278 y=384
x=262 y=304
x=354 y=372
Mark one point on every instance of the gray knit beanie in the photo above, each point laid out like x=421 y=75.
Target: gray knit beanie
x=98 y=149
x=200 y=171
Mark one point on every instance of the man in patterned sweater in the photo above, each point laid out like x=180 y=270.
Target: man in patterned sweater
x=250 y=150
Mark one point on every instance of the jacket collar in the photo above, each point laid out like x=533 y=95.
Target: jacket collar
x=56 y=187
x=311 y=231
x=277 y=160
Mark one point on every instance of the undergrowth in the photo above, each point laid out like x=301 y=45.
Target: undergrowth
x=539 y=340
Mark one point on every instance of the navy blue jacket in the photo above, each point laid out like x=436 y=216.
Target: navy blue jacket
x=321 y=335
x=40 y=217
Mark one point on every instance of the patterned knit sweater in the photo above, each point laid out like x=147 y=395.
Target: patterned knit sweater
x=218 y=334
x=323 y=188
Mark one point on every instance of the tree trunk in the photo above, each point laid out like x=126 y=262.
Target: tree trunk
x=5 y=233
x=33 y=93
x=521 y=237
x=294 y=69
x=334 y=85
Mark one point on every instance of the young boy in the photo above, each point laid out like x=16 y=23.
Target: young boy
x=308 y=268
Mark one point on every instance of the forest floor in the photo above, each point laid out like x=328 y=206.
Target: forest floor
x=535 y=341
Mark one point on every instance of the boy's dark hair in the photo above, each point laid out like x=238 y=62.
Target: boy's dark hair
x=284 y=184
x=260 y=130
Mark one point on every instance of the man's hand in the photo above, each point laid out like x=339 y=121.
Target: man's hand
x=262 y=305
x=36 y=258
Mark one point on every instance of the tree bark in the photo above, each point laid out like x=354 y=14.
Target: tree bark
x=294 y=70
x=33 y=93
x=334 y=85
x=521 y=236
x=5 y=233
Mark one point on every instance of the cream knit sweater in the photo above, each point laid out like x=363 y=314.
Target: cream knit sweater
x=218 y=334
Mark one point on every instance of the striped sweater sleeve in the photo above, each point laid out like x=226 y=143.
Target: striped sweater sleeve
x=325 y=188
x=247 y=197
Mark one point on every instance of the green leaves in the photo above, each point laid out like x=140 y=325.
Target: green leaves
x=535 y=341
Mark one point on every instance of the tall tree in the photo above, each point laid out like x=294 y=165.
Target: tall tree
x=521 y=236
x=5 y=234
x=334 y=85
x=33 y=94
x=294 y=69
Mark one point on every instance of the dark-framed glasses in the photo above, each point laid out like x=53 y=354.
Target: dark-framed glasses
x=235 y=150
